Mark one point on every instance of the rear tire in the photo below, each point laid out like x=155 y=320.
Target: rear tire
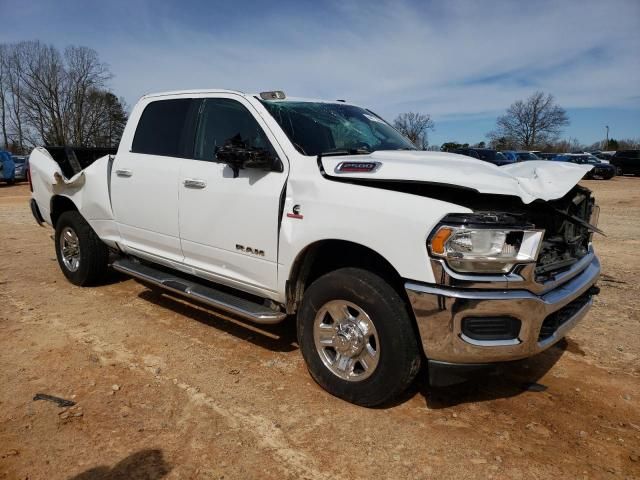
x=82 y=256
x=357 y=338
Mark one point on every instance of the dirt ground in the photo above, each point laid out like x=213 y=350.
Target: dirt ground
x=165 y=389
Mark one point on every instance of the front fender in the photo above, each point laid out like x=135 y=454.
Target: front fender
x=393 y=224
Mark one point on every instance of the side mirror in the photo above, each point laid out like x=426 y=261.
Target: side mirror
x=238 y=156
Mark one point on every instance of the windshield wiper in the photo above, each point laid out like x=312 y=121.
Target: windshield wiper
x=345 y=151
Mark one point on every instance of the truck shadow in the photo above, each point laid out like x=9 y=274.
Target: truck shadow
x=142 y=465
x=278 y=338
x=505 y=381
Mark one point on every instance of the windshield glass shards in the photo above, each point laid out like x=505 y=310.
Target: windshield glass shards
x=317 y=128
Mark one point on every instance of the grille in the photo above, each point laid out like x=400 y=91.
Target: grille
x=566 y=239
x=560 y=317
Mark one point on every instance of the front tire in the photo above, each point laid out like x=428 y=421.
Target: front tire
x=82 y=256
x=357 y=337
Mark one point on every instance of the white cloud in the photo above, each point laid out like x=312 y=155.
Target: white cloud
x=392 y=56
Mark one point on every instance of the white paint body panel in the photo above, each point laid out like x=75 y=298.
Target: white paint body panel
x=232 y=211
x=145 y=204
x=196 y=231
x=529 y=181
x=88 y=190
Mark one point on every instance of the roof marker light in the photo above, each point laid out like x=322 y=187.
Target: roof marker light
x=273 y=95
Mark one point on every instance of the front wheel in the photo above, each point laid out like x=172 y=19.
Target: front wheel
x=357 y=337
x=82 y=256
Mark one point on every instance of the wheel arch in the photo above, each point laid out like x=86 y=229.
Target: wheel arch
x=324 y=256
x=59 y=205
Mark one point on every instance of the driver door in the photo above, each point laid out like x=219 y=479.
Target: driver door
x=229 y=226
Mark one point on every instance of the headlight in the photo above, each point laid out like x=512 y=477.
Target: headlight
x=473 y=249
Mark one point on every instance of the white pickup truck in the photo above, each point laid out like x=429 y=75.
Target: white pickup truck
x=265 y=206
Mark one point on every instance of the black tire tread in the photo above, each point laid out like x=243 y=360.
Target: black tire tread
x=402 y=351
x=94 y=261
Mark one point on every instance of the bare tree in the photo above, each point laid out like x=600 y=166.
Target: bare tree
x=538 y=120
x=4 y=105
x=567 y=146
x=415 y=127
x=105 y=119
x=629 y=143
x=16 y=88
x=57 y=98
x=85 y=76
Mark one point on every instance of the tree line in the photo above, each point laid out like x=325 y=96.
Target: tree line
x=534 y=123
x=54 y=97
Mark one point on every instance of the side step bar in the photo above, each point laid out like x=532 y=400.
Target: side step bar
x=229 y=303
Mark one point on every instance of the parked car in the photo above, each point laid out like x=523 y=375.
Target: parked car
x=266 y=207
x=486 y=154
x=7 y=168
x=21 y=167
x=627 y=162
x=519 y=156
x=600 y=169
x=546 y=156
x=602 y=156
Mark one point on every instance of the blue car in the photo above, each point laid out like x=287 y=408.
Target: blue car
x=7 y=168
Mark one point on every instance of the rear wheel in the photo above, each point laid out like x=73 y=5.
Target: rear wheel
x=357 y=337
x=82 y=256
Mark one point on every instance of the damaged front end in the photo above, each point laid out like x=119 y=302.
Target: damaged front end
x=491 y=315
x=569 y=225
x=548 y=240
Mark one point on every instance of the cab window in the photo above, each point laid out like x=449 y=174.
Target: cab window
x=227 y=122
x=163 y=128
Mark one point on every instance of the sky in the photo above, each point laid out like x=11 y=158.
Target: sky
x=462 y=62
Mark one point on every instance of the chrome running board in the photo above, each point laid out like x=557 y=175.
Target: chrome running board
x=248 y=310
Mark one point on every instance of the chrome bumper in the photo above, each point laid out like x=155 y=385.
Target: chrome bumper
x=439 y=312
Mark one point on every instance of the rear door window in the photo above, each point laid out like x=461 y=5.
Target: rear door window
x=166 y=128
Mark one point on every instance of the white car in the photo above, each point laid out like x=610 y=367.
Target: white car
x=390 y=258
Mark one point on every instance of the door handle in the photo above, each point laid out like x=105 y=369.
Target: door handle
x=124 y=172
x=193 y=183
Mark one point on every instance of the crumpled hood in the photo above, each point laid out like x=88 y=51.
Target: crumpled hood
x=531 y=180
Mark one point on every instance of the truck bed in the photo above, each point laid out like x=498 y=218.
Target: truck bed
x=80 y=174
x=72 y=160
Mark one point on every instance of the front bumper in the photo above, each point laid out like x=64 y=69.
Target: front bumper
x=439 y=312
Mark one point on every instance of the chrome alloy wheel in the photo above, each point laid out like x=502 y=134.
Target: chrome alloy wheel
x=70 y=249
x=346 y=340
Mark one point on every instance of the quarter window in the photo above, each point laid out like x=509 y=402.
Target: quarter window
x=227 y=122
